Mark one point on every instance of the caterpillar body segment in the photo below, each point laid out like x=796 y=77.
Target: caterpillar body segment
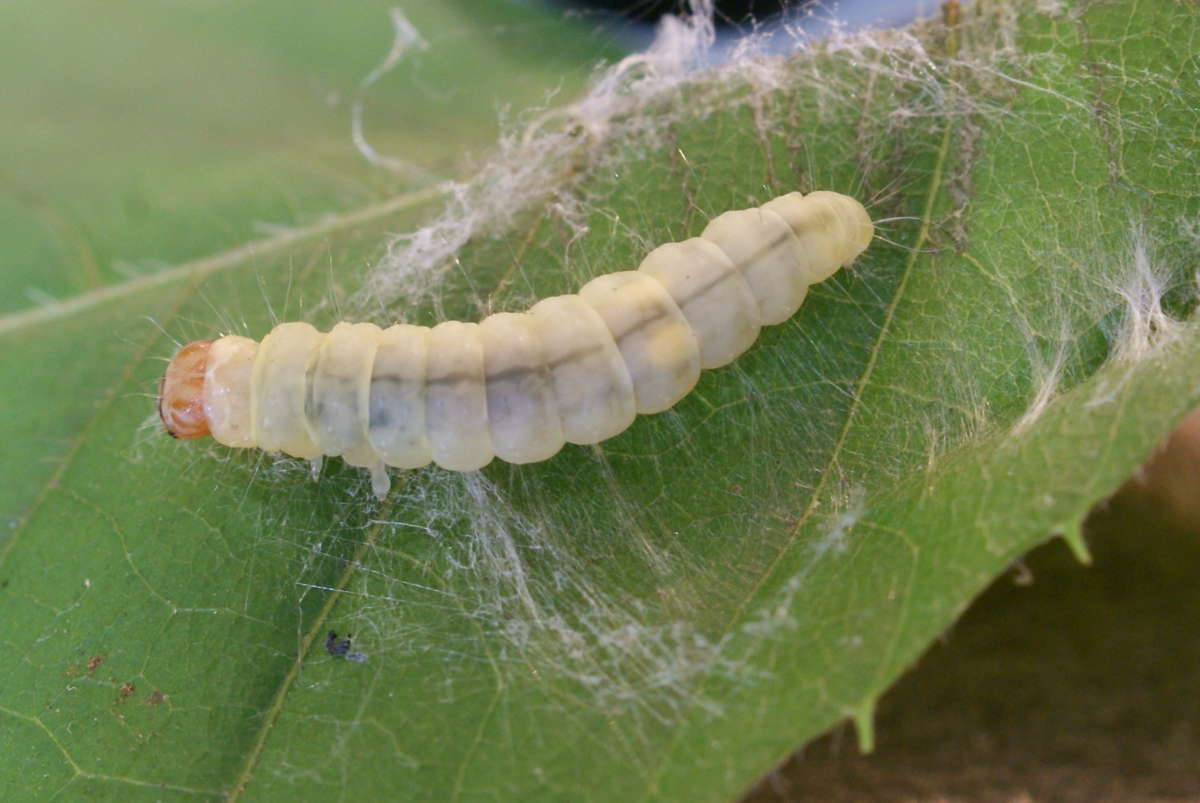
x=228 y=377
x=396 y=403
x=591 y=384
x=517 y=386
x=279 y=391
x=522 y=411
x=456 y=398
x=712 y=294
x=340 y=392
x=658 y=347
x=762 y=243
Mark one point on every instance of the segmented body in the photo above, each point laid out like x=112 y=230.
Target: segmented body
x=517 y=386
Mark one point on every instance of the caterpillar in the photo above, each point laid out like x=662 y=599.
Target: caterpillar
x=517 y=386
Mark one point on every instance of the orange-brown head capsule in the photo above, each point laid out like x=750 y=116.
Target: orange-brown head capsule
x=181 y=394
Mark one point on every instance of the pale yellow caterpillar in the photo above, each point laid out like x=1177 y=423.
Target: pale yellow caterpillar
x=517 y=386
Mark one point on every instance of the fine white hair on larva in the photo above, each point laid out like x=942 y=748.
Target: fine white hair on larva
x=574 y=368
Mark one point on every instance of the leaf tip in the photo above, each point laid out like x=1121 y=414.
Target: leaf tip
x=1079 y=548
x=864 y=725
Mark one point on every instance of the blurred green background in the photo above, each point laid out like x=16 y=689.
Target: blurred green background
x=138 y=135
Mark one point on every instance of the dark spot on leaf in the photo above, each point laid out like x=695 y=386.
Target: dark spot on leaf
x=124 y=692
x=340 y=647
x=94 y=662
x=156 y=697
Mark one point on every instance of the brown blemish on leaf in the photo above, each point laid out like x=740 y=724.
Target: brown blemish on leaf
x=94 y=662
x=156 y=698
x=124 y=692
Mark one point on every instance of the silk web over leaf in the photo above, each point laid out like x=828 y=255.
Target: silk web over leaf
x=668 y=613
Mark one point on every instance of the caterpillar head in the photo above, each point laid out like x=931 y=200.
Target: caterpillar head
x=181 y=392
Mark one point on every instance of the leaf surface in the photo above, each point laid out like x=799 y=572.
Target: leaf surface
x=669 y=613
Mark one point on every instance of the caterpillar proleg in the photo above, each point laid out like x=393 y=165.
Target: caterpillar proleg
x=517 y=386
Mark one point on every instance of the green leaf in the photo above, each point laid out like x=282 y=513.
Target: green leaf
x=170 y=132
x=1020 y=697
x=671 y=612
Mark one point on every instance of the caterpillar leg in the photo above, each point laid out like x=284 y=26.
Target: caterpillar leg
x=381 y=481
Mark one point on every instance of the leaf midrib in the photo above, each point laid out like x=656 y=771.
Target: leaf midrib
x=203 y=267
x=289 y=679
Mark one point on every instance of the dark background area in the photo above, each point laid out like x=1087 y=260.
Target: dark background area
x=729 y=12
x=1060 y=683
